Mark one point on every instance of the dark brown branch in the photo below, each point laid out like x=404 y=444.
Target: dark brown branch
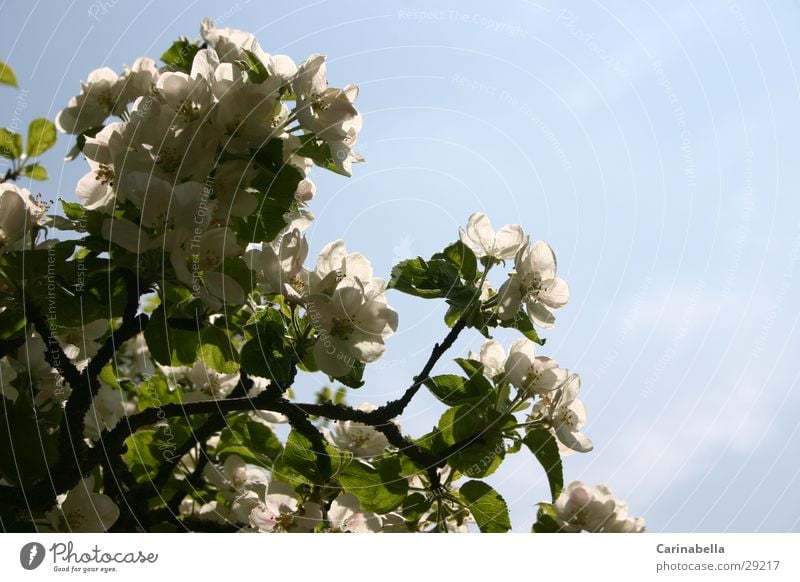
x=213 y=425
x=413 y=452
x=75 y=459
x=395 y=408
x=53 y=354
x=194 y=480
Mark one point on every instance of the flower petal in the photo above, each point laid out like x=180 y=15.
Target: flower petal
x=554 y=293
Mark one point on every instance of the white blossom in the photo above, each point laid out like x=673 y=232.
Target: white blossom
x=345 y=515
x=50 y=386
x=535 y=285
x=485 y=242
x=566 y=414
x=594 y=509
x=279 y=265
x=83 y=511
x=351 y=327
x=105 y=93
x=197 y=262
x=20 y=212
x=529 y=373
x=81 y=342
x=281 y=512
x=109 y=406
x=208 y=384
x=98 y=98
x=362 y=440
x=335 y=266
x=235 y=476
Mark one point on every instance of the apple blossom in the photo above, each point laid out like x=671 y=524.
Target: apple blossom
x=492 y=356
x=137 y=80
x=280 y=511
x=81 y=343
x=529 y=373
x=335 y=265
x=196 y=263
x=481 y=238
x=566 y=414
x=352 y=327
x=108 y=408
x=207 y=383
x=134 y=358
x=593 y=509
x=98 y=98
x=231 y=43
x=51 y=389
x=83 y=511
x=235 y=476
x=535 y=285
x=20 y=212
x=360 y=439
x=278 y=266
x=345 y=515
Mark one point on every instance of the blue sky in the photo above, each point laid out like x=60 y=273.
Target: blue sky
x=652 y=144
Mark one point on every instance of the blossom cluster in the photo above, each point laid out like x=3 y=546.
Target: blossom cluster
x=188 y=149
x=190 y=285
x=594 y=509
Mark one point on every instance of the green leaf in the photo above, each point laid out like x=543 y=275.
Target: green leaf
x=474 y=371
x=41 y=136
x=481 y=457
x=276 y=183
x=28 y=440
x=545 y=520
x=380 y=489
x=300 y=455
x=487 y=507
x=251 y=440
x=147 y=449
x=320 y=153
x=12 y=324
x=477 y=426
x=182 y=345
x=462 y=258
x=10 y=144
x=35 y=171
x=73 y=210
x=7 y=76
x=453 y=390
x=155 y=392
x=427 y=279
x=256 y=71
x=415 y=506
x=471 y=419
x=217 y=351
x=522 y=323
x=543 y=445
x=180 y=55
x=354 y=376
x=269 y=354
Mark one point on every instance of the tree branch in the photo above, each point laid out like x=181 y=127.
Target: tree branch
x=395 y=408
x=54 y=354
